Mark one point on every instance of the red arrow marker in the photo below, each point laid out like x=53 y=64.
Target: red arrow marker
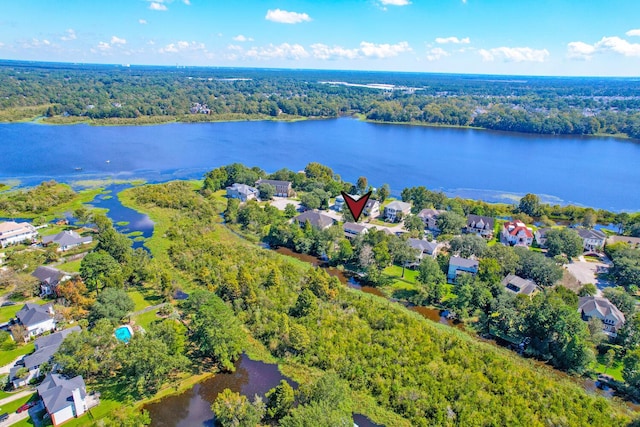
x=356 y=206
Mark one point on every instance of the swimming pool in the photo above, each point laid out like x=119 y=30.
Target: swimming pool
x=124 y=333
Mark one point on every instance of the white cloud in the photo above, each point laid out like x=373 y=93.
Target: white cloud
x=36 y=43
x=241 y=38
x=117 y=40
x=142 y=21
x=69 y=35
x=184 y=46
x=103 y=46
x=281 y=51
x=1 y=44
x=395 y=2
x=157 y=6
x=454 y=40
x=187 y=2
x=385 y=50
x=322 y=51
x=436 y=53
x=633 y=32
x=284 y=17
x=514 y=54
x=581 y=50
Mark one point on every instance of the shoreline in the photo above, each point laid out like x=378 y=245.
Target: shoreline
x=233 y=117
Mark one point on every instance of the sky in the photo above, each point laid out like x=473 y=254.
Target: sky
x=523 y=37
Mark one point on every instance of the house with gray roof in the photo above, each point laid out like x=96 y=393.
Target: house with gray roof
x=424 y=248
x=518 y=285
x=242 y=192
x=66 y=240
x=460 y=266
x=480 y=225
x=49 y=279
x=541 y=236
x=396 y=209
x=283 y=188
x=316 y=219
x=63 y=398
x=429 y=217
x=593 y=240
x=352 y=229
x=45 y=348
x=37 y=319
x=634 y=242
x=612 y=318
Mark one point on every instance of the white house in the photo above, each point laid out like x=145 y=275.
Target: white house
x=592 y=239
x=516 y=234
x=12 y=232
x=242 y=192
x=63 y=398
x=49 y=278
x=425 y=248
x=612 y=318
x=372 y=208
x=338 y=205
x=37 y=319
x=353 y=229
x=66 y=240
x=396 y=209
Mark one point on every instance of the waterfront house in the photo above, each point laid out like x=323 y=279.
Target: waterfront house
x=459 y=266
x=66 y=240
x=516 y=234
x=45 y=348
x=12 y=232
x=64 y=398
x=352 y=229
x=242 y=192
x=372 y=208
x=430 y=217
x=424 y=248
x=316 y=219
x=283 y=188
x=37 y=319
x=339 y=204
x=518 y=285
x=593 y=240
x=396 y=210
x=480 y=225
x=612 y=318
x=49 y=279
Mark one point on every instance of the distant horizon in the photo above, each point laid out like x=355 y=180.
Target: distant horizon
x=563 y=38
x=5 y=61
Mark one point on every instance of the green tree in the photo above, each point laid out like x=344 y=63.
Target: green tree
x=468 y=245
x=449 y=222
x=112 y=304
x=290 y=211
x=99 y=270
x=280 y=400
x=383 y=193
x=530 y=205
x=170 y=332
x=621 y=299
x=267 y=191
x=361 y=184
x=631 y=370
x=235 y=410
x=414 y=225
x=306 y=304
x=564 y=241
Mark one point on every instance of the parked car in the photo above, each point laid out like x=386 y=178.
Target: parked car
x=25 y=407
x=4 y=417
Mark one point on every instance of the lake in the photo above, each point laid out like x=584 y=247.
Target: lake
x=492 y=166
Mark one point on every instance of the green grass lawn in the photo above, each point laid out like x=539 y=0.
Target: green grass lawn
x=7 y=357
x=71 y=266
x=395 y=271
x=615 y=370
x=140 y=299
x=13 y=406
x=8 y=312
x=146 y=319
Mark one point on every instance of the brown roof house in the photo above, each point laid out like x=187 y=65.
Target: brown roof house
x=518 y=285
x=612 y=318
x=316 y=219
x=283 y=188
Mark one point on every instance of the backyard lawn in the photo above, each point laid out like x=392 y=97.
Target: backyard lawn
x=9 y=311
x=71 y=266
x=7 y=357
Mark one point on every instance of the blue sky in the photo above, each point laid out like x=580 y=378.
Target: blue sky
x=541 y=37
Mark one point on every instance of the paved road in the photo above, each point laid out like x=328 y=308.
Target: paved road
x=15 y=397
x=147 y=309
x=15 y=417
x=586 y=272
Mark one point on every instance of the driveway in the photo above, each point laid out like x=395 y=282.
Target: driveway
x=586 y=272
x=282 y=202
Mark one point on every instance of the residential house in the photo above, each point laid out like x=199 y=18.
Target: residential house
x=12 y=232
x=541 y=236
x=45 y=348
x=459 y=266
x=316 y=219
x=396 y=209
x=518 y=285
x=339 y=204
x=37 y=319
x=593 y=240
x=612 y=318
x=243 y=192
x=372 y=208
x=430 y=217
x=283 y=188
x=352 y=229
x=634 y=242
x=63 y=398
x=49 y=278
x=516 y=234
x=480 y=225
x=425 y=248
x=66 y=240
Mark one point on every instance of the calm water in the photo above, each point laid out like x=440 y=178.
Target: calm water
x=493 y=166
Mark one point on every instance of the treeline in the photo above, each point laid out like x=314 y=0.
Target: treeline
x=36 y=200
x=426 y=374
x=532 y=105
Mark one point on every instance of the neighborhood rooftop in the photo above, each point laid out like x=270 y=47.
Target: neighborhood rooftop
x=32 y=314
x=66 y=238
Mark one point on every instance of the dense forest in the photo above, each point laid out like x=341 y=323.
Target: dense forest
x=543 y=105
